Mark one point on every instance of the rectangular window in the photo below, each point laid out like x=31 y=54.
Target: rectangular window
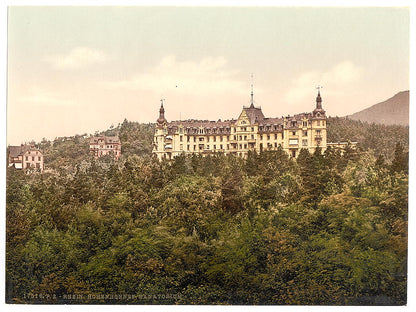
x=245 y=137
x=215 y=139
x=187 y=147
x=245 y=145
x=305 y=123
x=181 y=138
x=293 y=153
x=39 y=158
x=207 y=138
x=261 y=137
x=275 y=144
x=293 y=132
x=220 y=146
x=194 y=147
x=304 y=142
x=268 y=137
x=275 y=136
x=187 y=138
x=293 y=141
x=318 y=123
x=181 y=147
x=283 y=135
x=252 y=129
x=33 y=158
x=27 y=158
x=194 y=139
x=220 y=138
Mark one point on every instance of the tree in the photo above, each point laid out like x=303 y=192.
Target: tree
x=400 y=161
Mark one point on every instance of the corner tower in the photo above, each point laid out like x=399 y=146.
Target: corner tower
x=161 y=120
x=319 y=111
x=160 y=138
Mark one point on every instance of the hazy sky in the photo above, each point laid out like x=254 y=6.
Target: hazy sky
x=75 y=70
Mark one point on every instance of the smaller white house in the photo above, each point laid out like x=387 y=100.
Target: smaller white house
x=25 y=157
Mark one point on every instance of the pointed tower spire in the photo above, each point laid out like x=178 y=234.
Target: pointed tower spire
x=252 y=93
x=161 y=118
x=318 y=98
x=319 y=111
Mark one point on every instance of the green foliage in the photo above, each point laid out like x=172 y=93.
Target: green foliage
x=380 y=138
x=328 y=228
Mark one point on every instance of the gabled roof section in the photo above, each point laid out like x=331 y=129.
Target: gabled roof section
x=107 y=139
x=15 y=151
x=254 y=114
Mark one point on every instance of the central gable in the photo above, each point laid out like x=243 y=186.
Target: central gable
x=243 y=119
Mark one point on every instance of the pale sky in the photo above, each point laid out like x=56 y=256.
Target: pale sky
x=75 y=70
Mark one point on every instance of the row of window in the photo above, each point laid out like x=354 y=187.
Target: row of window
x=245 y=137
x=33 y=158
x=243 y=128
x=30 y=165
x=102 y=146
x=292 y=142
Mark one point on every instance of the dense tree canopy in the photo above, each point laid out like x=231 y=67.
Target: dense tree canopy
x=327 y=228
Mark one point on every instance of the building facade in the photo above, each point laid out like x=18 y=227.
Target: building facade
x=25 y=157
x=105 y=145
x=251 y=131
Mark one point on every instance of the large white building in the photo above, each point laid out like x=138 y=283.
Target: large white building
x=250 y=131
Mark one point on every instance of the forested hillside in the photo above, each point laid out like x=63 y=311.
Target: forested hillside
x=136 y=138
x=325 y=229
x=379 y=138
x=67 y=152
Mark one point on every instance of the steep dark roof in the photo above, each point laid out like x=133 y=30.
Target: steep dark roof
x=107 y=139
x=271 y=121
x=254 y=114
x=15 y=151
x=201 y=123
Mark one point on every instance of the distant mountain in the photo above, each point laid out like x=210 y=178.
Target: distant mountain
x=394 y=111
